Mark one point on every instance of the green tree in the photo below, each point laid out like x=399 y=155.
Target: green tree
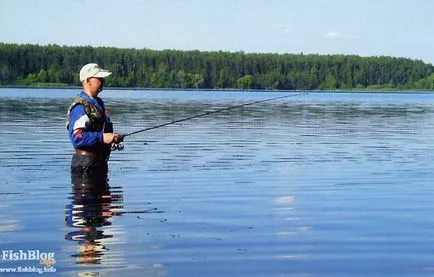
x=426 y=83
x=31 y=64
x=245 y=82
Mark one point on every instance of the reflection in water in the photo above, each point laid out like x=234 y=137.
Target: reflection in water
x=93 y=204
x=330 y=184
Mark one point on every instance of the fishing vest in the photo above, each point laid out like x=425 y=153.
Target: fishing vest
x=96 y=116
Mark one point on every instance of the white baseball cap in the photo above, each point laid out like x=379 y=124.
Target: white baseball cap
x=93 y=70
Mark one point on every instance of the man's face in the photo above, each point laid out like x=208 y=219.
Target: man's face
x=95 y=84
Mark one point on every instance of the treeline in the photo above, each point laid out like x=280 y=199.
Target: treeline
x=31 y=65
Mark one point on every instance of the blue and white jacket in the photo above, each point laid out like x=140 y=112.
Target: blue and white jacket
x=86 y=122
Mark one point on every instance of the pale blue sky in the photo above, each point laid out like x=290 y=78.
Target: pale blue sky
x=362 y=27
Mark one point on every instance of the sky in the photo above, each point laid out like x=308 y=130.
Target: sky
x=395 y=28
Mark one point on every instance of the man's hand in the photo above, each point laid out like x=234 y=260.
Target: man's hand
x=118 y=138
x=109 y=138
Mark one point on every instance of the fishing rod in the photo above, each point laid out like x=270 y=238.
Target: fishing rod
x=120 y=146
x=210 y=112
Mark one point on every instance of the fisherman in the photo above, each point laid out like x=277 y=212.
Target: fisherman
x=89 y=126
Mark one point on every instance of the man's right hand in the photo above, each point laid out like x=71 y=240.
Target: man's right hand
x=119 y=138
x=109 y=138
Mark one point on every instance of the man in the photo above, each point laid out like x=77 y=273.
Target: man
x=88 y=124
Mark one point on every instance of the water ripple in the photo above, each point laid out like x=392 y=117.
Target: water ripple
x=319 y=185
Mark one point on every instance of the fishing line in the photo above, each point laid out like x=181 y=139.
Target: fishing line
x=211 y=112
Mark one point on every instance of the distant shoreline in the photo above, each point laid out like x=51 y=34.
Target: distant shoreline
x=227 y=89
x=142 y=69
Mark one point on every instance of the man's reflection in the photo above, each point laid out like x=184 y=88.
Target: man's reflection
x=93 y=203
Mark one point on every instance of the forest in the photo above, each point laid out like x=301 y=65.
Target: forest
x=54 y=65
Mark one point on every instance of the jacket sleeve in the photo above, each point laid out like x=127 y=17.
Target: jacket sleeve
x=78 y=134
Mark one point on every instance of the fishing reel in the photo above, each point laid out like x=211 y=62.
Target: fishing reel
x=117 y=146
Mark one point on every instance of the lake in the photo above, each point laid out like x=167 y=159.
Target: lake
x=315 y=184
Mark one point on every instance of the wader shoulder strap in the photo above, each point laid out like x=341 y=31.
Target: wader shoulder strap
x=91 y=111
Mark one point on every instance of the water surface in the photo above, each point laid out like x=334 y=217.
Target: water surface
x=316 y=184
